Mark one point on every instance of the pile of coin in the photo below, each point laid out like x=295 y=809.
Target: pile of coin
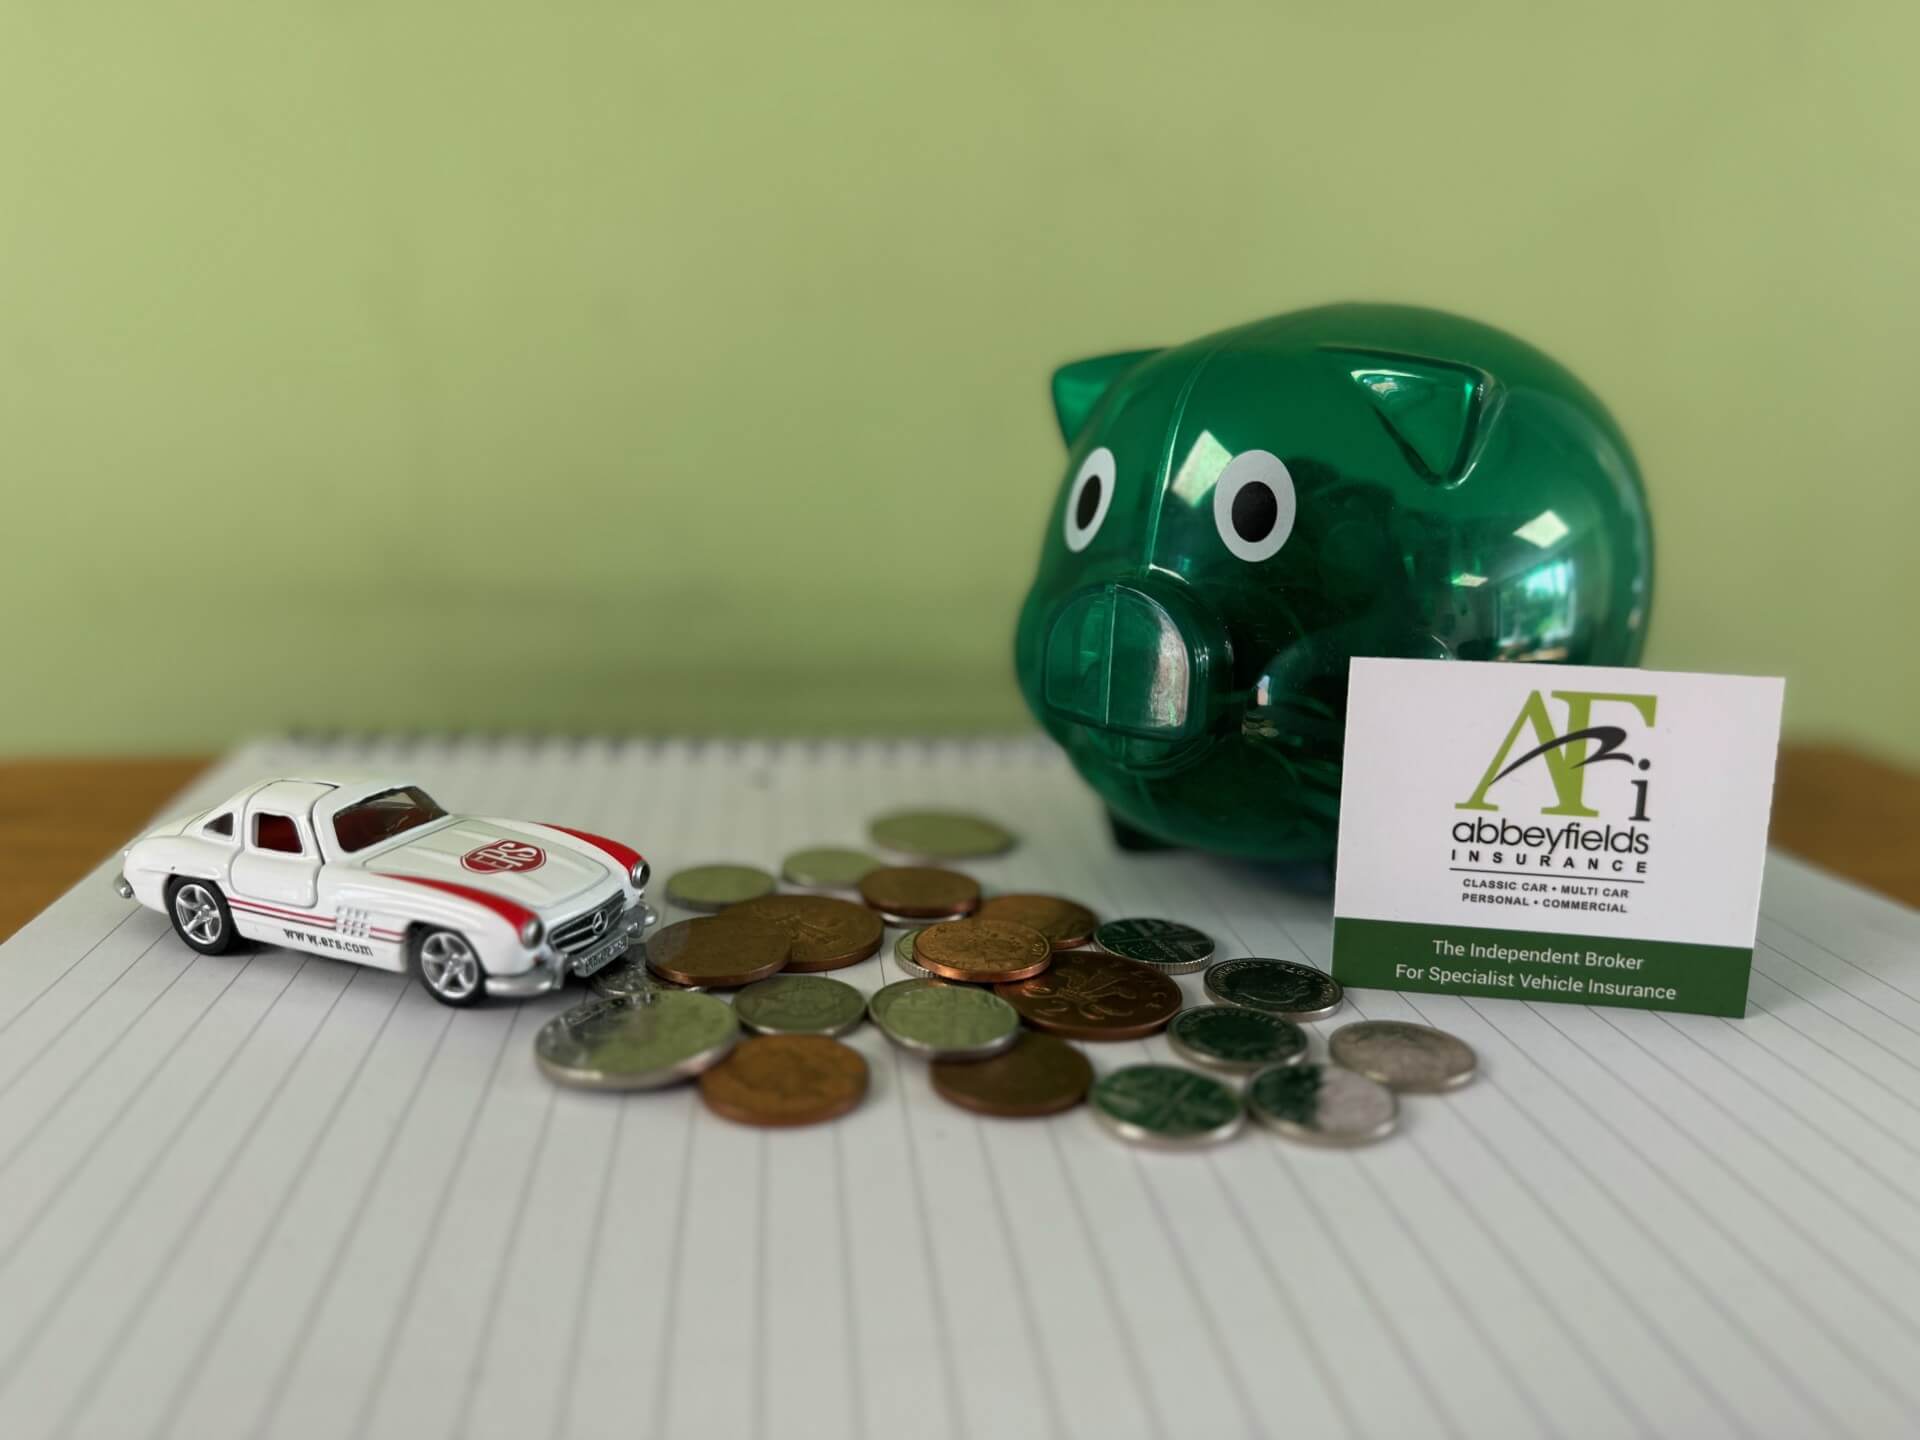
x=996 y=990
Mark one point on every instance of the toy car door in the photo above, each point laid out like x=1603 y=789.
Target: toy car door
x=278 y=861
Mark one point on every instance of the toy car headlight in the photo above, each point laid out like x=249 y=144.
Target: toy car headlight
x=640 y=874
x=531 y=931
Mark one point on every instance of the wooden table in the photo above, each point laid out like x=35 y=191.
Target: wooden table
x=1852 y=815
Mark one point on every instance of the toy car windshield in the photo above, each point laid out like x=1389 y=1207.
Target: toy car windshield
x=383 y=816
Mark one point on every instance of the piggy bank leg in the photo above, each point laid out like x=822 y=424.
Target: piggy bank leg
x=1129 y=838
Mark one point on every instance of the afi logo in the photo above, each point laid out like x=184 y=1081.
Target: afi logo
x=1565 y=753
x=501 y=855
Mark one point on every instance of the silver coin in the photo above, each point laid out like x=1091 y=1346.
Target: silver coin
x=1166 y=1106
x=1167 y=945
x=1322 y=1104
x=903 y=957
x=637 y=1044
x=827 y=867
x=944 y=1022
x=920 y=921
x=1403 y=1056
x=712 y=888
x=629 y=979
x=940 y=835
x=800 y=1005
x=1279 y=987
x=1232 y=1037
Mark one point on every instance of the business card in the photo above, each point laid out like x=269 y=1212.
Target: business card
x=1554 y=832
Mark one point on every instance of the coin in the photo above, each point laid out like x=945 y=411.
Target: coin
x=1164 y=944
x=629 y=979
x=714 y=887
x=887 y=917
x=1084 y=995
x=827 y=934
x=1038 y=1075
x=982 y=952
x=827 y=867
x=1232 y=1037
x=1066 y=924
x=617 y=1044
x=903 y=957
x=800 y=1005
x=940 y=835
x=1167 y=1106
x=785 y=1080
x=919 y=892
x=944 y=1022
x=1280 y=987
x=720 y=951
x=1322 y=1104
x=1403 y=1056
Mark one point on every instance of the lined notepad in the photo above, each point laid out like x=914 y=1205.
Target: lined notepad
x=274 y=1194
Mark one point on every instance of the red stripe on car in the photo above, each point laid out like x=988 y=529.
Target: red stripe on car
x=514 y=915
x=300 y=915
x=625 y=854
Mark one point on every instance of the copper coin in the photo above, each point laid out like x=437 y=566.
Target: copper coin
x=1038 y=1076
x=919 y=892
x=983 y=952
x=1066 y=924
x=785 y=1080
x=719 y=951
x=1085 y=995
x=827 y=934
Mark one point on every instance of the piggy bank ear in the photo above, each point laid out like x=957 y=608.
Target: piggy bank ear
x=1436 y=411
x=1077 y=388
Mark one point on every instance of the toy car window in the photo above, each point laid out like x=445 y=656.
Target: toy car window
x=219 y=825
x=383 y=816
x=276 y=832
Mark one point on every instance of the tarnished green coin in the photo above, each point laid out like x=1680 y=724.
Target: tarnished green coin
x=714 y=887
x=629 y=979
x=1322 y=1104
x=1402 y=1055
x=827 y=868
x=800 y=1005
x=944 y=1022
x=1166 y=1106
x=1232 y=1037
x=609 y=1044
x=940 y=835
x=1280 y=987
x=1167 y=945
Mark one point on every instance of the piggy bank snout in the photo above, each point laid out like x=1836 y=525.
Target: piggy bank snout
x=1134 y=658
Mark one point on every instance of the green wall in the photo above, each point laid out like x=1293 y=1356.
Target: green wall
x=633 y=367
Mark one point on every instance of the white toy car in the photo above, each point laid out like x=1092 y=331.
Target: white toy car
x=377 y=873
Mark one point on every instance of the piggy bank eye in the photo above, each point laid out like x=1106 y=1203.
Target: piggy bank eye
x=1253 y=505
x=1089 y=497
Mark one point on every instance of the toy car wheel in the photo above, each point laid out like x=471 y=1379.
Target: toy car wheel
x=448 y=967
x=200 y=915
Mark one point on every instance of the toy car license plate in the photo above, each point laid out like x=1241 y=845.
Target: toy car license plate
x=601 y=955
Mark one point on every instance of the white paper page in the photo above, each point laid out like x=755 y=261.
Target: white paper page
x=266 y=1193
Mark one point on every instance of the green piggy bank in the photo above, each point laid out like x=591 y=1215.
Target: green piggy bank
x=1244 y=514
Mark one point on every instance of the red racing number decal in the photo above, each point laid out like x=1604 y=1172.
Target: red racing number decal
x=501 y=855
